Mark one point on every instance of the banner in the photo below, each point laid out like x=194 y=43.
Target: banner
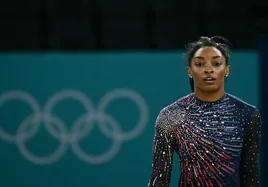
x=87 y=119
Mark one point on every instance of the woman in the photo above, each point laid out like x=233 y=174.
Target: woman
x=215 y=134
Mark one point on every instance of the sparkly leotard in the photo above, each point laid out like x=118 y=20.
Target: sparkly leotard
x=217 y=143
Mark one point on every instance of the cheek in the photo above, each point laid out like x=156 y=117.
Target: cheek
x=198 y=77
x=196 y=71
x=221 y=76
x=221 y=72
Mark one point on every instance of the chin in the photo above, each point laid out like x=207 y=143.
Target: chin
x=211 y=88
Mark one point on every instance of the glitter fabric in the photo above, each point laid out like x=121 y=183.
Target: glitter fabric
x=217 y=143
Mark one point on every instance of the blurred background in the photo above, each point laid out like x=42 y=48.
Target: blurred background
x=82 y=82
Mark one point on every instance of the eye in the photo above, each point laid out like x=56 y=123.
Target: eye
x=217 y=64
x=198 y=64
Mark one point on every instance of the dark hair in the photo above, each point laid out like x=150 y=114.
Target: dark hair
x=219 y=42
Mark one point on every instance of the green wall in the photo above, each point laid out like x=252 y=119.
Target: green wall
x=87 y=119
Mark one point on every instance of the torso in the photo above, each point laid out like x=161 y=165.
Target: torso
x=209 y=139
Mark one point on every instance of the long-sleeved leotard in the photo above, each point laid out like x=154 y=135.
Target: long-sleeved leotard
x=217 y=143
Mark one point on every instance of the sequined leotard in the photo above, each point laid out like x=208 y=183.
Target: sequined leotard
x=217 y=143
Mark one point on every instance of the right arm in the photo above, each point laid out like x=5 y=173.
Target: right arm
x=163 y=149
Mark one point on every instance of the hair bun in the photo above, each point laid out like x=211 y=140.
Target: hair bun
x=220 y=40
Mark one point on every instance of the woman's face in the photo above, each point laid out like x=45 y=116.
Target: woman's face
x=208 y=69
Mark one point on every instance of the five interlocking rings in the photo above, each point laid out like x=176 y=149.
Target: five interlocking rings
x=80 y=128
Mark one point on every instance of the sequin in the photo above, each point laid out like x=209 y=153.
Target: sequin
x=217 y=143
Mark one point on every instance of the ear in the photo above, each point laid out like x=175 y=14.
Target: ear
x=189 y=72
x=227 y=71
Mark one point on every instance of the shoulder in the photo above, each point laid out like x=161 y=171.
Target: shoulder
x=248 y=108
x=177 y=105
x=250 y=113
x=170 y=111
x=241 y=103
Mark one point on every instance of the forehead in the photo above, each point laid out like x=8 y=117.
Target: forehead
x=208 y=52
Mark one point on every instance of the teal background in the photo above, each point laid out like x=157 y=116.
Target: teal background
x=159 y=77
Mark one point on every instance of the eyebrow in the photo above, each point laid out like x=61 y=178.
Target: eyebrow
x=200 y=57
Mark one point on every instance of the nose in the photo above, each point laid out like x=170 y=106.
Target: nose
x=209 y=69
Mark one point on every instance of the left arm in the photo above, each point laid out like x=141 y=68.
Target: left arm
x=249 y=165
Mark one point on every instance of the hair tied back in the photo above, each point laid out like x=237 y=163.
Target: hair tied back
x=219 y=40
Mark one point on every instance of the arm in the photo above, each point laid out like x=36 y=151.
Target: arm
x=249 y=166
x=163 y=149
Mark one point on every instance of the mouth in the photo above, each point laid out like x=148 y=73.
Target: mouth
x=209 y=80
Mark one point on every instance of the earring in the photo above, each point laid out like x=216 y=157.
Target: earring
x=190 y=76
x=226 y=75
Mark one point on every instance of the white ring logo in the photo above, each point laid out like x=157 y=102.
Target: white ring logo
x=79 y=130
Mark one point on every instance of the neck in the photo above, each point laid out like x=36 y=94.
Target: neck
x=209 y=96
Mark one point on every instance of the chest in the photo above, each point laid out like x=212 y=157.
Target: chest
x=212 y=128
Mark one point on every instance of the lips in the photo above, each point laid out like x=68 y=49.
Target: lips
x=209 y=79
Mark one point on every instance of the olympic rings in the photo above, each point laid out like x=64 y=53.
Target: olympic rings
x=80 y=129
